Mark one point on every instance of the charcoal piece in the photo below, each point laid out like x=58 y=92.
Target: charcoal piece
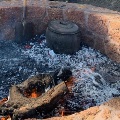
x=62 y=74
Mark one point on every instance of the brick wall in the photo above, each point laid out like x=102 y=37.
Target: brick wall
x=100 y=27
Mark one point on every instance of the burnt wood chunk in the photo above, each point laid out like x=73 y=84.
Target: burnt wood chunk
x=21 y=106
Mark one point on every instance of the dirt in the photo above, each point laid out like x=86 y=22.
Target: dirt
x=110 y=4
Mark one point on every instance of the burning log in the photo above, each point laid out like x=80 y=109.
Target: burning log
x=29 y=97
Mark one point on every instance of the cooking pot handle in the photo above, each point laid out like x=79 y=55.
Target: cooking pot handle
x=64 y=22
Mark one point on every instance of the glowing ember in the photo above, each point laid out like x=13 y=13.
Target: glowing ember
x=62 y=110
x=5 y=118
x=28 y=46
x=32 y=94
x=70 y=83
x=3 y=100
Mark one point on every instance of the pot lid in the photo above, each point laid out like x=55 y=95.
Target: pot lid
x=63 y=27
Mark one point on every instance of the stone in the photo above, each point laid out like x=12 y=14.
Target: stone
x=114 y=31
x=54 y=13
x=108 y=111
x=98 y=23
x=88 y=39
x=113 y=51
x=75 y=15
x=99 y=44
x=32 y=12
x=7 y=32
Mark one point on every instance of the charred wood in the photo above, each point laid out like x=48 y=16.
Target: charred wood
x=20 y=106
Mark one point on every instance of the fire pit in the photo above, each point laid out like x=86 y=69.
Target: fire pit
x=88 y=66
x=96 y=78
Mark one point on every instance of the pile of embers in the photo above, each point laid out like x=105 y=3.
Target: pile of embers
x=38 y=94
x=95 y=79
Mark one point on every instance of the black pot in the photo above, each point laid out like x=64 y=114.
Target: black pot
x=63 y=37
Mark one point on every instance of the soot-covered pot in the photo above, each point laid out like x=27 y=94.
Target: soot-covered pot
x=63 y=36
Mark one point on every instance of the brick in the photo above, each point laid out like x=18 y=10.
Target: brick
x=112 y=50
x=99 y=44
x=39 y=26
x=88 y=39
x=98 y=23
x=7 y=33
x=54 y=13
x=3 y=17
x=9 y=16
x=14 y=13
x=35 y=12
x=55 y=10
x=114 y=30
x=112 y=16
x=46 y=19
x=75 y=15
x=112 y=44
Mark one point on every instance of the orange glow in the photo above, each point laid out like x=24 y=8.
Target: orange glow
x=70 y=83
x=62 y=114
x=5 y=118
x=64 y=111
x=61 y=111
x=3 y=100
x=33 y=94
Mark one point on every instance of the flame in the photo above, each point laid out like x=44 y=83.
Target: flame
x=62 y=113
x=33 y=94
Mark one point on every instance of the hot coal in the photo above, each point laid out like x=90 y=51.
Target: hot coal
x=15 y=66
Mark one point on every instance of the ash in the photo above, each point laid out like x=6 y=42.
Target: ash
x=97 y=77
